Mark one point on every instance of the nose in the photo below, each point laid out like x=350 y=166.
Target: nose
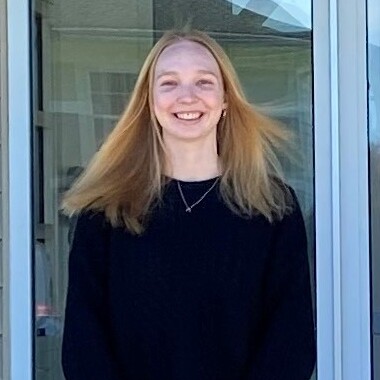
x=187 y=94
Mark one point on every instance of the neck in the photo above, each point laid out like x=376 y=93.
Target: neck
x=192 y=162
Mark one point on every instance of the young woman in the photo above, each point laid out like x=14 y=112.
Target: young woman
x=189 y=256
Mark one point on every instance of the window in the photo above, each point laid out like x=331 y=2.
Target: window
x=89 y=55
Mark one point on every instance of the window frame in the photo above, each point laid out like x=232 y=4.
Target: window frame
x=341 y=177
x=19 y=192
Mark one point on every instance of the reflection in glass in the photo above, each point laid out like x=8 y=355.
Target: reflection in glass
x=281 y=15
x=374 y=138
x=89 y=54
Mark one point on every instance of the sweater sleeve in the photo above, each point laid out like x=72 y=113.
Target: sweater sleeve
x=287 y=348
x=86 y=349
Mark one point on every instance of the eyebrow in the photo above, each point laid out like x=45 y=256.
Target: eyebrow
x=164 y=73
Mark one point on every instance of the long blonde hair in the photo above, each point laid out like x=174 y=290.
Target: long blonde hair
x=126 y=176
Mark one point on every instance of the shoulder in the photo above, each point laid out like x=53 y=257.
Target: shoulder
x=290 y=230
x=292 y=202
x=91 y=219
x=294 y=208
x=88 y=225
x=292 y=219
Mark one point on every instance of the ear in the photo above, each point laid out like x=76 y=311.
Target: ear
x=225 y=107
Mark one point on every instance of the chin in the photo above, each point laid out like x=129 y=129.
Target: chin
x=188 y=136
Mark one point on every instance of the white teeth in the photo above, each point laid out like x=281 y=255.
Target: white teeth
x=188 y=115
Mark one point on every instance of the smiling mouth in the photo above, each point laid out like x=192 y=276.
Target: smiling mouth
x=188 y=115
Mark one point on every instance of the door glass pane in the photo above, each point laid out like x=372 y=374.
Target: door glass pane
x=374 y=139
x=88 y=55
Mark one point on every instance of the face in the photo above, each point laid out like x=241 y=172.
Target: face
x=188 y=95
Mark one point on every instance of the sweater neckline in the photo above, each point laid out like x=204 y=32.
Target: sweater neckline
x=198 y=183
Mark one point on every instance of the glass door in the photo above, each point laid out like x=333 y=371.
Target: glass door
x=88 y=55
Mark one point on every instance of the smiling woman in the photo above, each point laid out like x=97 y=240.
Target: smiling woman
x=241 y=148
x=189 y=259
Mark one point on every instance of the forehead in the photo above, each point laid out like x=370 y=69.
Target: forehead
x=186 y=54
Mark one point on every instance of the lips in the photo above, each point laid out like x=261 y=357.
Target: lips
x=188 y=115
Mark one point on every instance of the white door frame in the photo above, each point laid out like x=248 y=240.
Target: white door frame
x=341 y=178
x=19 y=239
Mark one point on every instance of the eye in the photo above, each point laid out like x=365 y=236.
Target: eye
x=205 y=82
x=168 y=83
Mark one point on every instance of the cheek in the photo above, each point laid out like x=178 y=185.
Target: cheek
x=161 y=109
x=216 y=99
x=161 y=102
x=217 y=102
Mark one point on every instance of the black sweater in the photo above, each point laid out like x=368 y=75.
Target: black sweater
x=206 y=295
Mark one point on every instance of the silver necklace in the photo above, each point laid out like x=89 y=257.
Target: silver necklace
x=189 y=208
